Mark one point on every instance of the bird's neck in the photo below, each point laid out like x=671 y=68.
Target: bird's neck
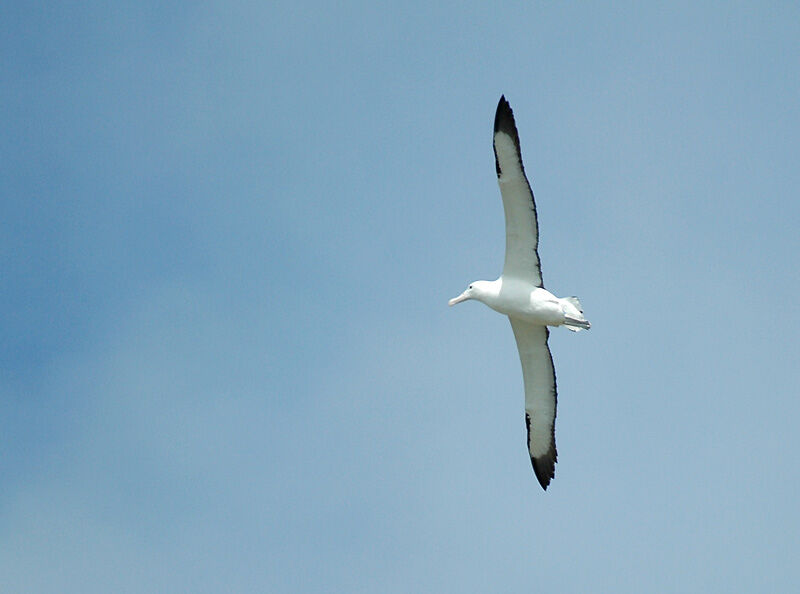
x=490 y=292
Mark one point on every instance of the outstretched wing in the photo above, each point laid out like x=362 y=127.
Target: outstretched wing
x=539 y=377
x=522 y=228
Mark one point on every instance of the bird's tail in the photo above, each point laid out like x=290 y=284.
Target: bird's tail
x=573 y=315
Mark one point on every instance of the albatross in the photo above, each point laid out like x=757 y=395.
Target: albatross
x=520 y=294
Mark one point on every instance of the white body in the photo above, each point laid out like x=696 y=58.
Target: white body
x=522 y=300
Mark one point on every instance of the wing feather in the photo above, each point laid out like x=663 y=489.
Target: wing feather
x=539 y=377
x=522 y=228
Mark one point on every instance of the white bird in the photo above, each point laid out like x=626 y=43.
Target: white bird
x=519 y=294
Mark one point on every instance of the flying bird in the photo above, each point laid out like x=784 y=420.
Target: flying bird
x=520 y=294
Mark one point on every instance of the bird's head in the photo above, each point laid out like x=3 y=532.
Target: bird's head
x=476 y=290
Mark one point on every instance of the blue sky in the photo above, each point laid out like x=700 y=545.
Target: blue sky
x=228 y=234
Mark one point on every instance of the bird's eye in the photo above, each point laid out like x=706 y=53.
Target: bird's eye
x=470 y=286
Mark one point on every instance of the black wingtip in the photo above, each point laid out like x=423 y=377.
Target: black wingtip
x=544 y=467
x=504 y=118
x=504 y=122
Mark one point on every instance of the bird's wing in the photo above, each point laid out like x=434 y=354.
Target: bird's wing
x=522 y=229
x=539 y=377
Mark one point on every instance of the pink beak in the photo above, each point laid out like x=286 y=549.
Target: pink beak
x=459 y=299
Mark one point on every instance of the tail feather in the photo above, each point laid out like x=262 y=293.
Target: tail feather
x=576 y=325
x=573 y=315
x=574 y=301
